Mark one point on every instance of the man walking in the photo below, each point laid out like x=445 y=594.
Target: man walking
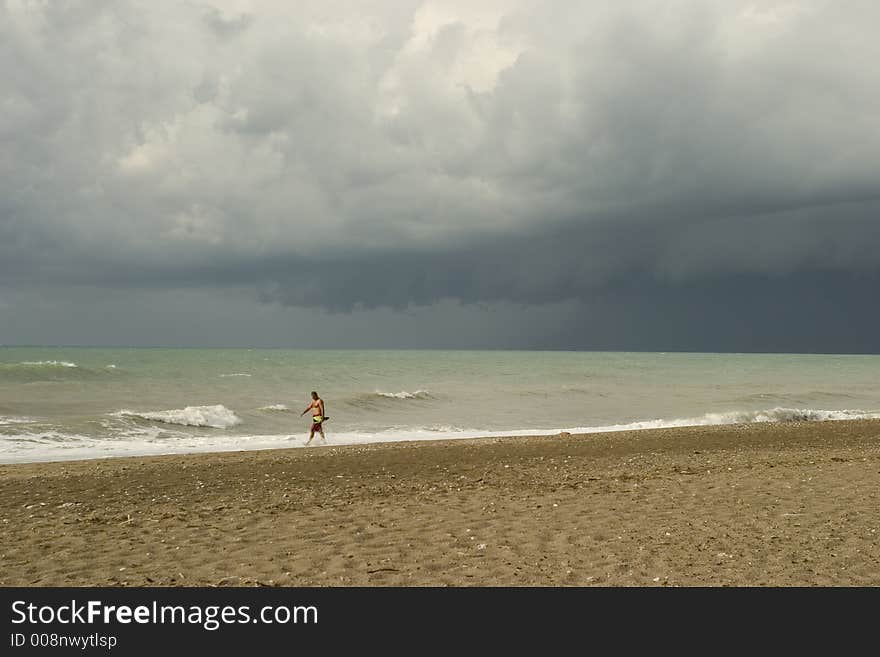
x=318 y=417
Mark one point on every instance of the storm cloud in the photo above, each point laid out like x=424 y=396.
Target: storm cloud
x=665 y=171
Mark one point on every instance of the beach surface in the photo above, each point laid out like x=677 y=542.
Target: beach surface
x=792 y=504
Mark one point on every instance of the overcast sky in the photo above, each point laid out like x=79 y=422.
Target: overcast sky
x=661 y=175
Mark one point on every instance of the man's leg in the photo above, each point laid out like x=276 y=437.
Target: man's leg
x=311 y=435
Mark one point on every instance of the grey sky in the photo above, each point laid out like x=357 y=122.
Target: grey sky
x=631 y=175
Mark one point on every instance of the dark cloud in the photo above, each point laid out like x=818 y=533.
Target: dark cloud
x=640 y=163
x=223 y=26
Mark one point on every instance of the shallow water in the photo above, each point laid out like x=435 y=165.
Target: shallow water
x=61 y=402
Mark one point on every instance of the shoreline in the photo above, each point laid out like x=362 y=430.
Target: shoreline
x=270 y=442
x=754 y=504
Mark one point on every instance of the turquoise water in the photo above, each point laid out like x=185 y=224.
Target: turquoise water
x=59 y=402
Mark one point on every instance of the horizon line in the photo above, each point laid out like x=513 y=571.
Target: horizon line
x=499 y=349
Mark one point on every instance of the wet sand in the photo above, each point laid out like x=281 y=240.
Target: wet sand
x=774 y=504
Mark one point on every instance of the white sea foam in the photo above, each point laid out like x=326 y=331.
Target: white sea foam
x=224 y=376
x=53 y=445
x=418 y=394
x=739 y=417
x=274 y=407
x=218 y=416
x=34 y=440
x=6 y=421
x=397 y=434
x=50 y=363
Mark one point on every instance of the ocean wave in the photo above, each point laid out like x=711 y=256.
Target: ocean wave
x=53 y=445
x=225 y=376
x=32 y=371
x=594 y=391
x=778 y=414
x=217 y=417
x=441 y=432
x=6 y=420
x=441 y=428
x=379 y=400
x=48 y=438
x=806 y=396
x=418 y=394
x=274 y=407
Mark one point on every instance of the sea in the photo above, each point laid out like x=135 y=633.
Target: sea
x=59 y=403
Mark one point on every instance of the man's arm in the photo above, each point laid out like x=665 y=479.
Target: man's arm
x=308 y=408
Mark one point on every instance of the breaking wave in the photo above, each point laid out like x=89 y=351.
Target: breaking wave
x=379 y=400
x=52 y=438
x=274 y=407
x=802 y=397
x=55 y=445
x=217 y=417
x=418 y=394
x=740 y=417
x=31 y=371
x=6 y=420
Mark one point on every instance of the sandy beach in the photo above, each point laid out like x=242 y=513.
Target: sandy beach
x=791 y=504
